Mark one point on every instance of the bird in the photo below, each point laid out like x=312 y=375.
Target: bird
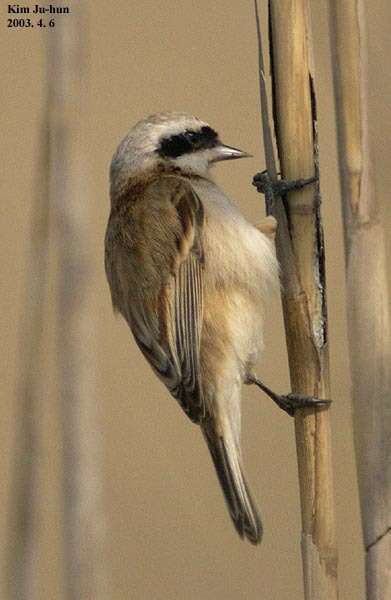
x=192 y=278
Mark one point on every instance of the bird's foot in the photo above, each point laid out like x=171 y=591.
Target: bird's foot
x=272 y=189
x=291 y=402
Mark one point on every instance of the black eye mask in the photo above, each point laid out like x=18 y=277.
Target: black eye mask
x=188 y=141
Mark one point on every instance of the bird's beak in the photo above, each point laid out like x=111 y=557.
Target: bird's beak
x=222 y=152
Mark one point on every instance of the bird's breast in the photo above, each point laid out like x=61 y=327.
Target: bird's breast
x=236 y=253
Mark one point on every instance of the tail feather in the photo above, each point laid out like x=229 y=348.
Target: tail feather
x=241 y=507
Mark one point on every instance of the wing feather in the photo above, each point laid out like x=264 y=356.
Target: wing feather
x=154 y=264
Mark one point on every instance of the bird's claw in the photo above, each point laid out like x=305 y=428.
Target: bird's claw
x=265 y=185
x=292 y=402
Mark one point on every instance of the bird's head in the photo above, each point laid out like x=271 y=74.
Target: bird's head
x=172 y=140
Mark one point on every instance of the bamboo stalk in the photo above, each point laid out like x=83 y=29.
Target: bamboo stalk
x=85 y=565
x=22 y=542
x=300 y=251
x=366 y=293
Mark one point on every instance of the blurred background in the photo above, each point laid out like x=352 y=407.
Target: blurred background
x=118 y=475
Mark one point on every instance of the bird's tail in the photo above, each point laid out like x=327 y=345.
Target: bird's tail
x=226 y=459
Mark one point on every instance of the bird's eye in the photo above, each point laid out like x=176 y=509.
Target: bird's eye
x=191 y=135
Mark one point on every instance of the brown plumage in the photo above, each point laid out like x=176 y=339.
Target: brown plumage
x=153 y=245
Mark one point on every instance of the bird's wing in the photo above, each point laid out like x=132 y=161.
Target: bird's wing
x=160 y=278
